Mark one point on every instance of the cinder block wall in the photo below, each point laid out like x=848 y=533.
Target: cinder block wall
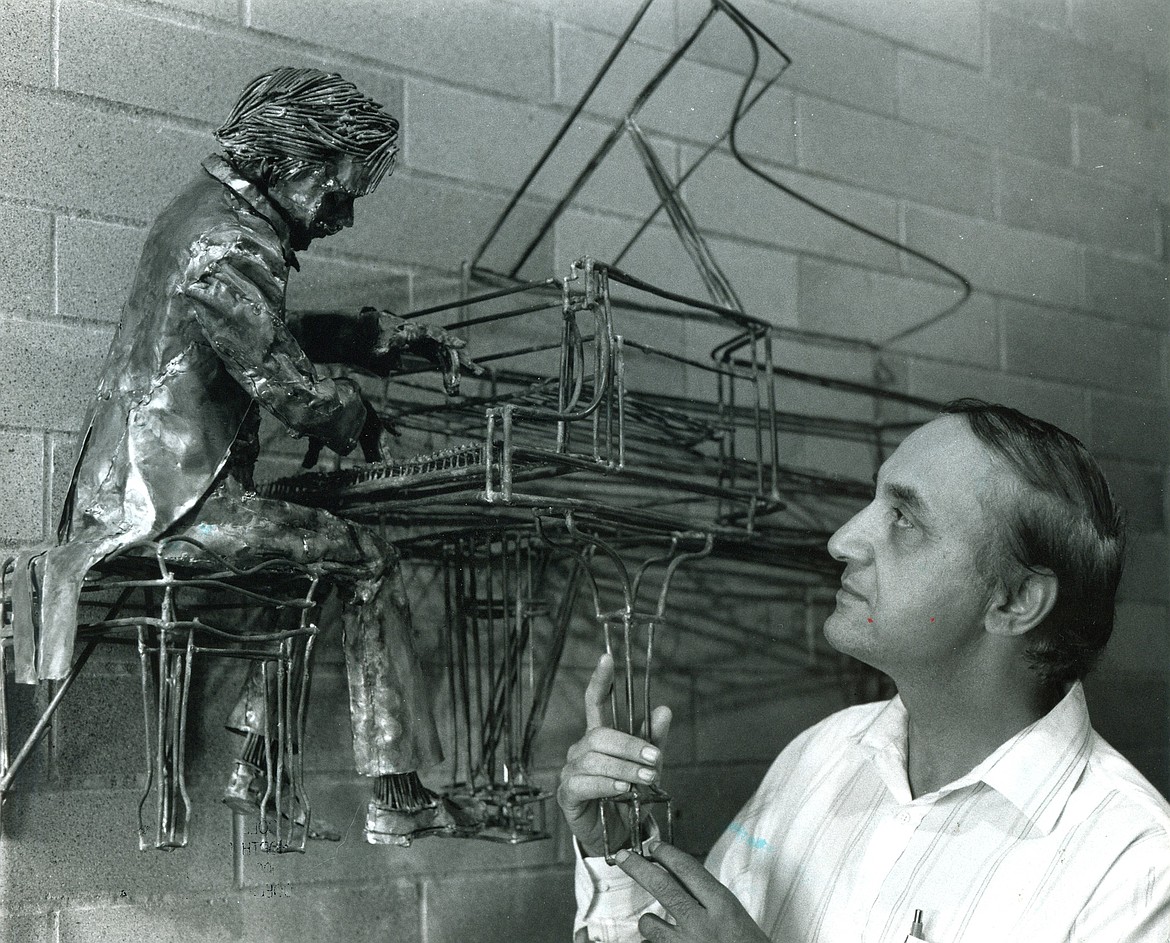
x=1023 y=142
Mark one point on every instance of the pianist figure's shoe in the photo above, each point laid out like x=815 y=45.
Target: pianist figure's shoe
x=248 y=784
x=404 y=809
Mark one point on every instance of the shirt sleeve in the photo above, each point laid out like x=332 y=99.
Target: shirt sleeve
x=236 y=283
x=609 y=902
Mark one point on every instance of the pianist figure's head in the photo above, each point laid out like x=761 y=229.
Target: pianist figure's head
x=314 y=143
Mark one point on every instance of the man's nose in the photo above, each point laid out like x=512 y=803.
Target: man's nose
x=850 y=542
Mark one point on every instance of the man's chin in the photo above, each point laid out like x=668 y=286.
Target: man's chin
x=843 y=629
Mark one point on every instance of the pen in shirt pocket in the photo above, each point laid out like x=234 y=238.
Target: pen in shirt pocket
x=916 y=932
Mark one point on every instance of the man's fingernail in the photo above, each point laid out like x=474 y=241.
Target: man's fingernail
x=651 y=754
x=621 y=855
x=646 y=775
x=621 y=785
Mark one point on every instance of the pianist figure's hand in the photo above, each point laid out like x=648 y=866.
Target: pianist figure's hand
x=374 y=430
x=397 y=336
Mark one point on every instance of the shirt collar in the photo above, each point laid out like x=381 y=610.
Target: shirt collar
x=1036 y=770
x=251 y=194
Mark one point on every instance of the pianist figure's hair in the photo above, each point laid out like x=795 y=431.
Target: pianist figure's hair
x=288 y=120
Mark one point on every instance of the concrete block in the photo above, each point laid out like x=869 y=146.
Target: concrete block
x=657 y=27
x=997 y=258
x=100 y=728
x=829 y=59
x=212 y=918
x=265 y=915
x=969 y=335
x=328 y=283
x=953 y=32
x=1127 y=290
x=74 y=846
x=1122 y=150
x=48 y=372
x=1141 y=638
x=1056 y=65
x=580 y=233
x=1158 y=93
x=888 y=156
x=28 y=43
x=199 y=71
x=219 y=9
x=96 y=263
x=1077 y=349
x=500 y=908
x=727 y=199
x=694 y=103
x=873 y=306
x=103 y=161
x=412 y=219
x=62 y=457
x=1032 y=196
x=1047 y=12
x=763 y=278
x=1055 y=403
x=26 y=282
x=1139 y=26
x=29 y=928
x=1147 y=561
x=1128 y=428
x=478 y=139
x=961 y=101
x=1140 y=492
x=765 y=719
x=495 y=47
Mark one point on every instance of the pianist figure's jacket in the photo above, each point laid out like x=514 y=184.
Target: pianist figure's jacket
x=202 y=344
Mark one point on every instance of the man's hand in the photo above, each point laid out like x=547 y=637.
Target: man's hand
x=446 y=351
x=703 y=910
x=606 y=763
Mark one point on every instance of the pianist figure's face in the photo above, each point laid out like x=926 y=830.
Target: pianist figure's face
x=318 y=201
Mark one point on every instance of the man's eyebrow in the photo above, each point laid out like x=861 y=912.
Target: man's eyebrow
x=907 y=496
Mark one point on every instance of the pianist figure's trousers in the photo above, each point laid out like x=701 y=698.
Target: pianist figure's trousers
x=393 y=726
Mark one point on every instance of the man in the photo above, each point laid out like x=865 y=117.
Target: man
x=170 y=441
x=978 y=804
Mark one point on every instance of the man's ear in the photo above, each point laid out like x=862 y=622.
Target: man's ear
x=1019 y=608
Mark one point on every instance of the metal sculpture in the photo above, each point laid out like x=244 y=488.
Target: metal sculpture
x=617 y=430
x=170 y=441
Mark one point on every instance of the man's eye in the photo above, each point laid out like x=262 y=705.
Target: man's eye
x=900 y=519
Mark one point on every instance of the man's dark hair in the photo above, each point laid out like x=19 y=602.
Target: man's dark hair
x=1063 y=518
x=290 y=119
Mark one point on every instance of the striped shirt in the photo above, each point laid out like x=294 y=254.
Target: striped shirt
x=1054 y=837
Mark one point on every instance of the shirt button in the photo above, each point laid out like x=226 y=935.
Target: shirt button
x=903 y=817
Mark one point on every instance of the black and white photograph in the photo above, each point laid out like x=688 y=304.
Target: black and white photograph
x=597 y=471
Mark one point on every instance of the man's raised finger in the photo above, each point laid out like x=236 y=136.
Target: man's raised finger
x=600 y=683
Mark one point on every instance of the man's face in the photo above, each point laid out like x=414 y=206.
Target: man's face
x=911 y=598
x=319 y=201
